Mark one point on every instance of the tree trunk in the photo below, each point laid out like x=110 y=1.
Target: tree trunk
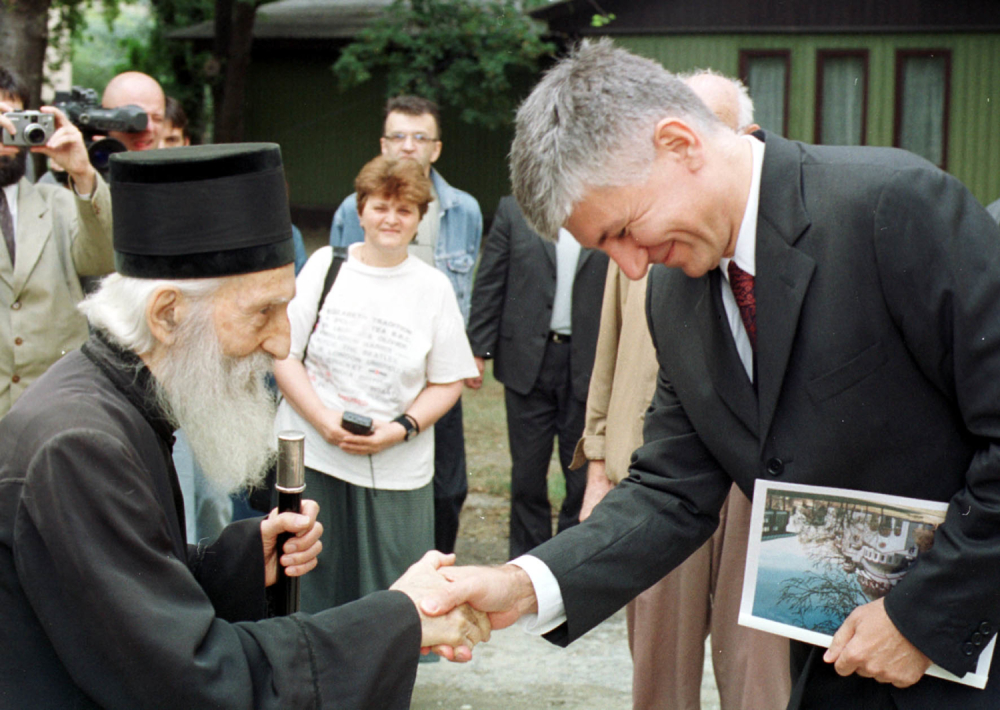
x=234 y=21
x=24 y=36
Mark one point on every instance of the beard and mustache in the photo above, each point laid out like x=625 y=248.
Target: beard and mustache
x=222 y=403
x=13 y=167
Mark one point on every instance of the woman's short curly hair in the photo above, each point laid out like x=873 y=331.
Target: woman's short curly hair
x=403 y=180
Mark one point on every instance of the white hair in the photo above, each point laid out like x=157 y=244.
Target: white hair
x=222 y=402
x=744 y=104
x=118 y=307
x=590 y=123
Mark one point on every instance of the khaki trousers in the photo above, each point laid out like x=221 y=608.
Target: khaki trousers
x=669 y=622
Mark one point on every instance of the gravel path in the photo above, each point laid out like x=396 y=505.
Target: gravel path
x=517 y=671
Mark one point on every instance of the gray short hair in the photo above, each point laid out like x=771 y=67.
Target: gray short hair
x=589 y=123
x=118 y=307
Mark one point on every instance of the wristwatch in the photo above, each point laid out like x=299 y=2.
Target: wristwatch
x=408 y=423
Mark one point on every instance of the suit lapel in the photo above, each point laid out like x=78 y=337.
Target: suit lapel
x=6 y=271
x=783 y=272
x=32 y=233
x=723 y=362
x=550 y=251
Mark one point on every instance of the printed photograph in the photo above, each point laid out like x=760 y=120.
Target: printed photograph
x=818 y=553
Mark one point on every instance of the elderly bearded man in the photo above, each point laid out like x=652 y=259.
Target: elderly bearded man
x=104 y=605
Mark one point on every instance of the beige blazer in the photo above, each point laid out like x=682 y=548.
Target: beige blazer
x=60 y=238
x=616 y=402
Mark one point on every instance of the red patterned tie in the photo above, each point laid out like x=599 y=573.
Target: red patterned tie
x=742 y=285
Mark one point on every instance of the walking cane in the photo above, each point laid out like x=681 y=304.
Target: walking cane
x=290 y=483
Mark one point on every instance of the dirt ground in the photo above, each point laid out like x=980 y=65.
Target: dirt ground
x=517 y=671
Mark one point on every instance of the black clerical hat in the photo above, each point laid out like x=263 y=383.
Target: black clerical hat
x=200 y=212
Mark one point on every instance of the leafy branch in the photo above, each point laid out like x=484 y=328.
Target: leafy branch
x=466 y=54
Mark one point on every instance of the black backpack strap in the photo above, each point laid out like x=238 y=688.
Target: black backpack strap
x=339 y=257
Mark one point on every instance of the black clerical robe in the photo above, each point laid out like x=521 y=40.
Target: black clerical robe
x=104 y=605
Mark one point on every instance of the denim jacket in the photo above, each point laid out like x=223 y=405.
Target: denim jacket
x=459 y=235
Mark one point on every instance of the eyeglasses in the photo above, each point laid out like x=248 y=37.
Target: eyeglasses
x=421 y=138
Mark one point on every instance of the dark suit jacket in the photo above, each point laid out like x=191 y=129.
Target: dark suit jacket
x=512 y=303
x=878 y=361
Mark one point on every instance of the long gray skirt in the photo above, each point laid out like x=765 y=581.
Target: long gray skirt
x=370 y=537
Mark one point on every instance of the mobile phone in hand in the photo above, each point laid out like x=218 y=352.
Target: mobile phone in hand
x=356 y=423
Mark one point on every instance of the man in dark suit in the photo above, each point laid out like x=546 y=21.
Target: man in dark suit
x=870 y=359
x=536 y=307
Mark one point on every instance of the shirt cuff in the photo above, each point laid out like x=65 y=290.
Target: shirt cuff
x=551 y=610
x=84 y=198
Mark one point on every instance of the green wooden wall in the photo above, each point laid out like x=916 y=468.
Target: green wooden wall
x=974 y=120
x=326 y=136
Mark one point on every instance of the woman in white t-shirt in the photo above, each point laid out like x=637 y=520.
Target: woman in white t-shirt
x=389 y=343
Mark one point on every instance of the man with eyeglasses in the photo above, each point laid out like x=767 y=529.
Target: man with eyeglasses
x=448 y=238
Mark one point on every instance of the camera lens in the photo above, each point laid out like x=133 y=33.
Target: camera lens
x=101 y=151
x=34 y=134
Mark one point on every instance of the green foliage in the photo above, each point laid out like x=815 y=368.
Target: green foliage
x=602 y=20
x=467 y=55
x=102 y=40
x=70 y=23
x=117 y=37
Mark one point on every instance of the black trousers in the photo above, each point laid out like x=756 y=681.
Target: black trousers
x=451 y=483
x=817 y=686
x=534 y=420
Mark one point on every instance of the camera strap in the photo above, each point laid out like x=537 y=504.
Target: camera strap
x=339 y=257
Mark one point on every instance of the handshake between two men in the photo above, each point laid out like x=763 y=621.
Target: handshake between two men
x=458 y=606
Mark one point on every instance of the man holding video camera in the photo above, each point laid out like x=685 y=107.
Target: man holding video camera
x=51 y=237
x=134 y=88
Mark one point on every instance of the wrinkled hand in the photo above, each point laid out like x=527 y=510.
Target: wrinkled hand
x=299 y=555
x=476 y=382
x=869 y=644
x=598 y=485
x=505 y=593
x=454 y=634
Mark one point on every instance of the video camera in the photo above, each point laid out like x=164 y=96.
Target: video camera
x=84 y=111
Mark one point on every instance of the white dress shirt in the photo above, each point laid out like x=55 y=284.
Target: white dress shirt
x=11 y=192
x=567 y=256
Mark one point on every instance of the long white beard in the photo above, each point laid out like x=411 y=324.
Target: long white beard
x=222 y=403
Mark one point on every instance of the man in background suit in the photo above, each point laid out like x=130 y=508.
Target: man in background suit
x=868 y=358
x=56 y=236
x=535 y=312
